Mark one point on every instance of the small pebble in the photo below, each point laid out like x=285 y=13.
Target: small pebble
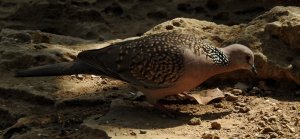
x=293 y=108
x=93 y=76
x=265 y=118
x=236 y=91
x=241 y=104
x=273 y=135
x=219 y=105
x=103 y=82
x=143 y=132
x=215 y=125
x=133 y=133
x=244 y=109
x=79 y=77
x=272 y=119
x=231 y=97
x=267 y=130
x=262 y=124
x=195 y=121
x=207 y=135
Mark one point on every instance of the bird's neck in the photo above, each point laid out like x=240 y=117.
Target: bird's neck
x=223 y=69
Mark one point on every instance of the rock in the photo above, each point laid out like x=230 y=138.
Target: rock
x=267 y=130
x=230 y=97
x=241 y=86
x=195 y=121
x=267 y=34
x=236 y=91
x=215 y=125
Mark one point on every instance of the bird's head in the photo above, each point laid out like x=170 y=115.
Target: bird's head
x=240 y=57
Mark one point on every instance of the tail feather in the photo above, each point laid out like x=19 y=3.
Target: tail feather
x=64 y=68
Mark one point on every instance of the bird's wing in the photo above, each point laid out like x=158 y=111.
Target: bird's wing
x=148 y=64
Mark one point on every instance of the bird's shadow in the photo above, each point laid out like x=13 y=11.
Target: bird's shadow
x=138 y=116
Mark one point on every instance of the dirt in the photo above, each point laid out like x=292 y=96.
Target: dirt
x=89 y=106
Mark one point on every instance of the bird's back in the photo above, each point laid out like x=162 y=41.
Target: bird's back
x=154 y=61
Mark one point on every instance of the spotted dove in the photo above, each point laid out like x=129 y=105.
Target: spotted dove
x=159 y=65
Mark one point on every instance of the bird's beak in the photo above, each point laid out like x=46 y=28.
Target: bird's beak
x=253 y=69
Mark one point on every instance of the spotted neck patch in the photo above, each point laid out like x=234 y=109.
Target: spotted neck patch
x=217 y=56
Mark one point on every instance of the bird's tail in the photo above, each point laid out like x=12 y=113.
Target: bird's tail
x=64 y=68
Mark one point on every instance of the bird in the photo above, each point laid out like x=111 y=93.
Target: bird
x=159 y=65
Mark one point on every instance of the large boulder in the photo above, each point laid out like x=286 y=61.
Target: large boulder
x=274 y=37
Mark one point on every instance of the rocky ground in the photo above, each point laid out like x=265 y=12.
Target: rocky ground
x=89 y=106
